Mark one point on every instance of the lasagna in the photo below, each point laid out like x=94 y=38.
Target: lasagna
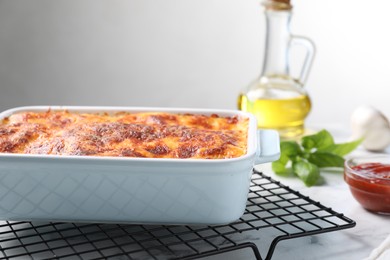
x=124 y=134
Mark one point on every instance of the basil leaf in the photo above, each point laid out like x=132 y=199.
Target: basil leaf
x=325 y=159
x=319 y=140
x=290 y=148
x=279 y=166
x=342 y=149
x=288 y=151
x=307 y=172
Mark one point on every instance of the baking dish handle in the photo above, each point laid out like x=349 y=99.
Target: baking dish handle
x=268 y=146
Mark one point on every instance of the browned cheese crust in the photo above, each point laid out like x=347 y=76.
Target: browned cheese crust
x=149 y=135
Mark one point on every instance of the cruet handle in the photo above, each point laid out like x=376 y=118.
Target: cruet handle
x=310 y=52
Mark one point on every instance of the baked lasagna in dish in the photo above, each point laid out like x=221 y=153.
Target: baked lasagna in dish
x=149 y=135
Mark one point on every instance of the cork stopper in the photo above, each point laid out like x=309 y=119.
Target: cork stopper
x=277 y=5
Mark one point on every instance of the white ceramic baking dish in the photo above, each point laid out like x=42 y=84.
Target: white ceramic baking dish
x=131 y=190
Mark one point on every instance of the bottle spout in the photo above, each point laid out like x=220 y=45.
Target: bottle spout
x=277 y=5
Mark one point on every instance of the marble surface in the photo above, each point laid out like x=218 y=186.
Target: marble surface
x=355 y=243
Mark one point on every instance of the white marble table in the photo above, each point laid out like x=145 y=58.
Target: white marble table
x=355 y=243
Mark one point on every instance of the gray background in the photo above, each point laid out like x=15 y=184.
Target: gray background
x=186 y=53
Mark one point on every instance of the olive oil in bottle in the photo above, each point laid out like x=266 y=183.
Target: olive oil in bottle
x=276 y=99
x=277 y=107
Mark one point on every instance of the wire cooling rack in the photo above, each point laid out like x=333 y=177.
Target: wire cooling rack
x=273 y=210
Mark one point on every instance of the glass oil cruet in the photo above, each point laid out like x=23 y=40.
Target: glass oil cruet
x=278 y=100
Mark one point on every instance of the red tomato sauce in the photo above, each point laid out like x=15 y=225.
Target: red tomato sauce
x=370 y=185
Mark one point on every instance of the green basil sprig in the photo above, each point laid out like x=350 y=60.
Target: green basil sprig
x=315 y=151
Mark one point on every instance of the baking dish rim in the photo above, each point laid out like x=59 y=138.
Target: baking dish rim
x=251 y=147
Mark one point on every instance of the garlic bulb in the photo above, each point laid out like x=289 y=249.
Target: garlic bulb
x=369 y=123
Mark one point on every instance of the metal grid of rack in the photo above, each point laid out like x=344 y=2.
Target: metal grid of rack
x=273 y=209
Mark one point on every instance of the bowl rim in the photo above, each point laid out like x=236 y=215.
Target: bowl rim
x=375 y=158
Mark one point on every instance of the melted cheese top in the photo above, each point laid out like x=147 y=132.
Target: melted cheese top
x=149 y=135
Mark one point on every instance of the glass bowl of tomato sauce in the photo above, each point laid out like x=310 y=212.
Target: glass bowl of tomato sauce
x=369 y=181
